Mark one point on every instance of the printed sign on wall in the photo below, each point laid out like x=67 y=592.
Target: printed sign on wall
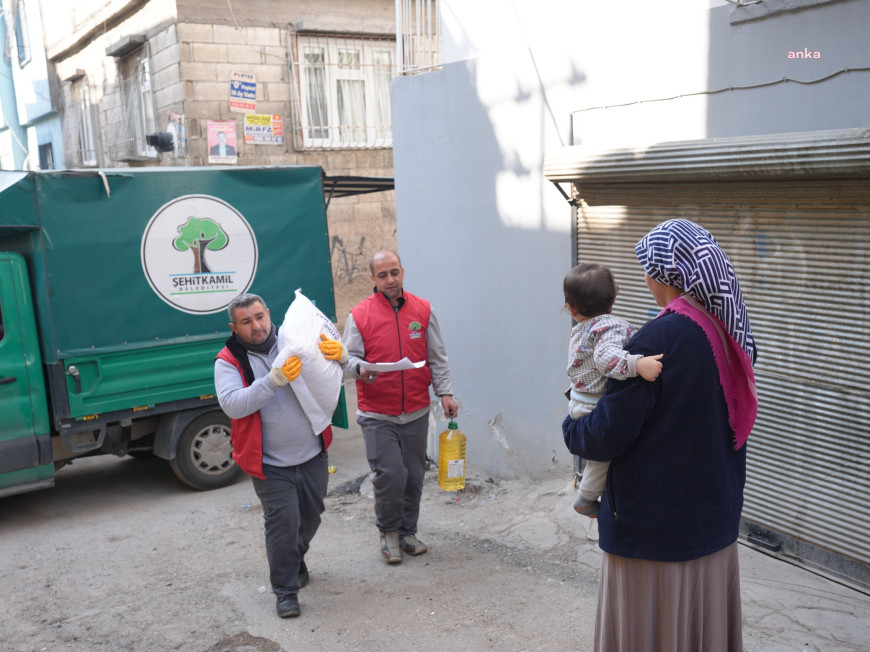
x=264 y=129
x=243 y=92
x=221 y=136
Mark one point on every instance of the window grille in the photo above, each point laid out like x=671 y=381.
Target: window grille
x=341 y=91
x=129 y=113
x=79 y=120
x=418 y=36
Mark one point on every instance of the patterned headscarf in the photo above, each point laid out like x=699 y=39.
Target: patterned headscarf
x=684 y=255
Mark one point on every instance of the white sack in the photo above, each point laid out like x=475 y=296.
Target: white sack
x=318 y=387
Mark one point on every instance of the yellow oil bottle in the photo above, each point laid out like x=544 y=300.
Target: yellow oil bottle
x=451 y=458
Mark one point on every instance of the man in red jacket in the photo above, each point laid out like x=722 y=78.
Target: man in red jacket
x=273 y=442
x=393 y=407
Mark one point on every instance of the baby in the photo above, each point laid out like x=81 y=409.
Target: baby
x=597 y=353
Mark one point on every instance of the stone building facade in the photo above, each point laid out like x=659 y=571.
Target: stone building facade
x=288 y=82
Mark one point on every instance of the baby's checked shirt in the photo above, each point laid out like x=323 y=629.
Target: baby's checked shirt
x=597 y=353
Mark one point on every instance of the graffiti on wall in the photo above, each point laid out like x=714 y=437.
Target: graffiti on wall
x=349 y=263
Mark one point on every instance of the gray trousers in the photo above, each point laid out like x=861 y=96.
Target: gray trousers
x=397 y=457
x=292 y=499
x=594 y=473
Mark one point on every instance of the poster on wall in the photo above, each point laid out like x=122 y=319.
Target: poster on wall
x=243 y=92
x=221 y=142
x=263 y=129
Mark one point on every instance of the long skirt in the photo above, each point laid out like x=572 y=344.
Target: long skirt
x=653 y=606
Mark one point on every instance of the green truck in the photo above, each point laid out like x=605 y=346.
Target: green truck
x=113 y=293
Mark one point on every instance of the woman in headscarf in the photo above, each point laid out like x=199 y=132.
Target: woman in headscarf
x=670 y=513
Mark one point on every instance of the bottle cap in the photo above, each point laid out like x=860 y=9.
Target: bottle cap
x=452 y=425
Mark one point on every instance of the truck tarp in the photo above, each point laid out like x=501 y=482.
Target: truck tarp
x=75 y=227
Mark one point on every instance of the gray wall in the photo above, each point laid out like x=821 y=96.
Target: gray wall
x=745 y=53
x=495 y=287
x=488 y=240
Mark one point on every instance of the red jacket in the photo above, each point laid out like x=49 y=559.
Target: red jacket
x=246 y=434
x=389 y=335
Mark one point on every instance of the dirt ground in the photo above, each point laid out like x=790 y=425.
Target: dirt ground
x=120 y=556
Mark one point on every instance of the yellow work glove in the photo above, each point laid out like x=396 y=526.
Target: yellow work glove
x=286 y=373
x=332 y=349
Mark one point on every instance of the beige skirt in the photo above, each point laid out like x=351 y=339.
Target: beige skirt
x=653 y=606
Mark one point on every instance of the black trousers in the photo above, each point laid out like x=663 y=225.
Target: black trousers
x=292 y=499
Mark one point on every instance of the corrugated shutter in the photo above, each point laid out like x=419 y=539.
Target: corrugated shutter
x=800 y=249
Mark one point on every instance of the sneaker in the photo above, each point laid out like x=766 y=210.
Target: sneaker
x=304 y=577
x=390 y=548
x=586 y=507
x=412 y=545
x=288 y=606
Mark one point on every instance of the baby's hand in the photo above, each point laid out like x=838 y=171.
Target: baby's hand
x=649 y=367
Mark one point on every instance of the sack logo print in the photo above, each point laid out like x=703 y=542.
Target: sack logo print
x=415 y=330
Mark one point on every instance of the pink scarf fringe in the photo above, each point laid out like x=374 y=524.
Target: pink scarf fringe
x=735 y=367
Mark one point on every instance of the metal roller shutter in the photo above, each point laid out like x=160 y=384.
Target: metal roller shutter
x=800 y=252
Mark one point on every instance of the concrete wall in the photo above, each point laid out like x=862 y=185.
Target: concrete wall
x=819 y=93
x=488 y=241
x=195 y=46
x=337 y=16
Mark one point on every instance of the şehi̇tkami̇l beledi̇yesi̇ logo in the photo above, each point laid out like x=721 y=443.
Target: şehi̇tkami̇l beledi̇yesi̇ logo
x=198 y=252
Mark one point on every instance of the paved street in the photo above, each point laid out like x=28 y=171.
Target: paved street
x=120 y=556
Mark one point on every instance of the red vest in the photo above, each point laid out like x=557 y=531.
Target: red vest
x=246 y=434
x=390 y=335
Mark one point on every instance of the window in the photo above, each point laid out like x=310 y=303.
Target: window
x=87 y=142
x=140 y=106
x=79 y=120
x=131 y=114
x=341 y=92
x=22 y=36
x=418 y=33
x=46 y=158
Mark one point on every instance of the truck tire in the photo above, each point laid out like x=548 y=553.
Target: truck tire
x=203 y=458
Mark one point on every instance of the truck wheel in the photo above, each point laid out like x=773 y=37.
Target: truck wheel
x=204 y=458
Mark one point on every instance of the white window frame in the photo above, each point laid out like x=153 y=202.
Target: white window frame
x=87 y=137
x=327 y=70
x=22 y=34
x=130 y=110
x=139 y=101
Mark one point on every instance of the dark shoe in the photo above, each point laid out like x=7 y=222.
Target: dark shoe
x=390 y=548
x=304 y=577
x=586 y=507
x=412 y=545
x=288 y=606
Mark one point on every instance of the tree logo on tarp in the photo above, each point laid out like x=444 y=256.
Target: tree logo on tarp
x=200 y=235
x=198 y=253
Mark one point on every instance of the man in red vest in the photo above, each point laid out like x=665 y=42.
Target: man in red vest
x=273 y=441
x=393 y=407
